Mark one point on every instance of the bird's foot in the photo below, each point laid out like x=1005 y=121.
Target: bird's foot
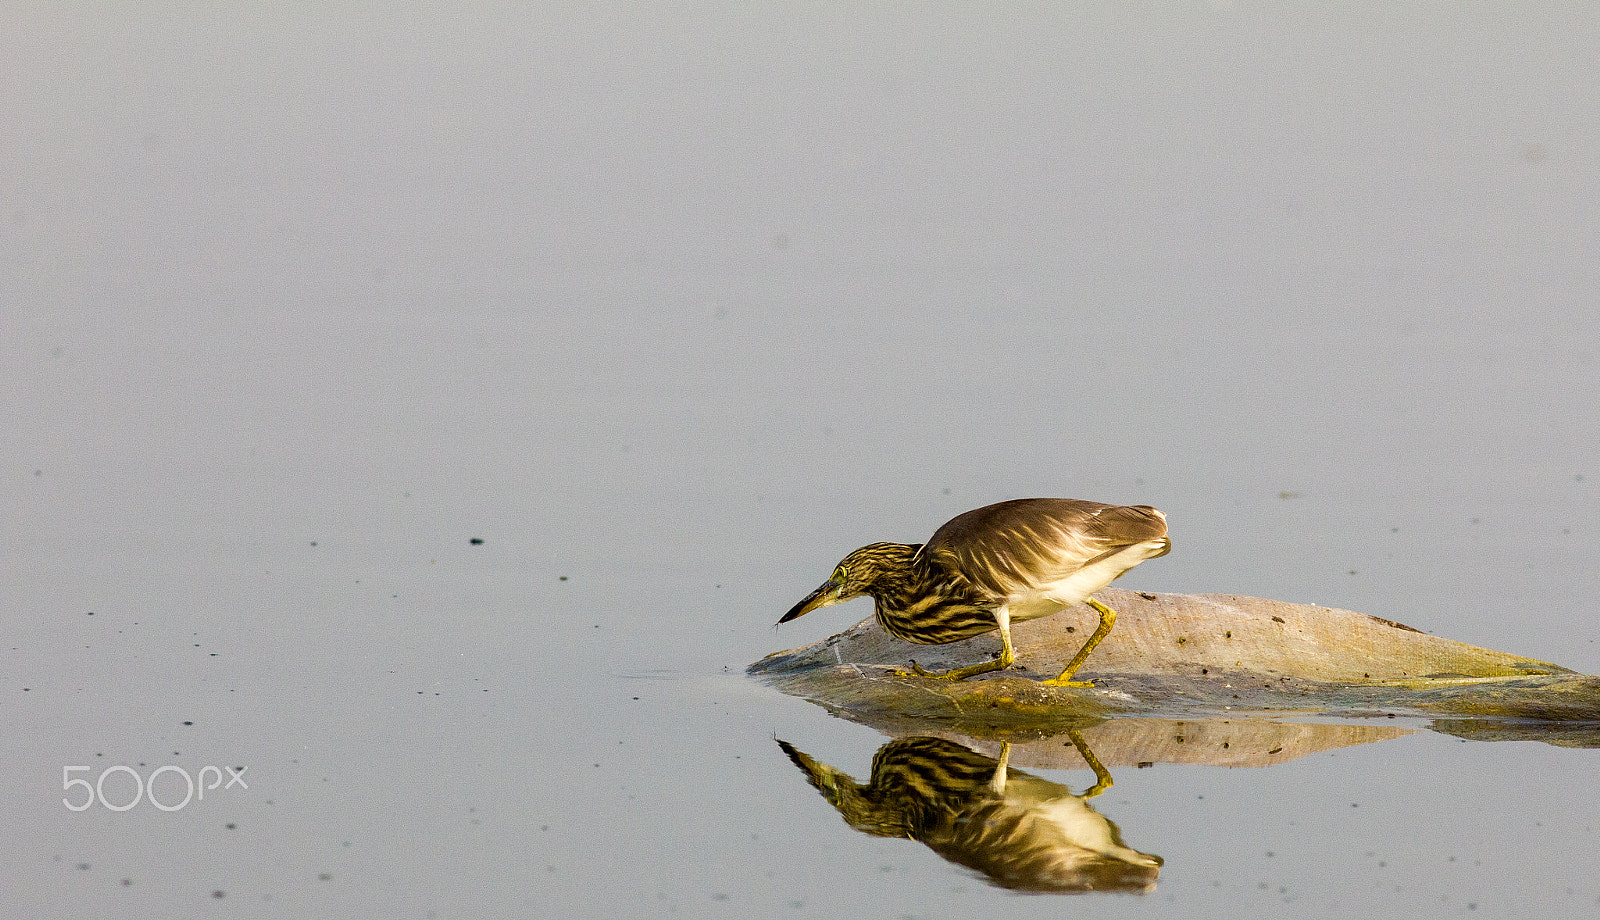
x=953 y=674
x=1058 y=682
x=917 y=671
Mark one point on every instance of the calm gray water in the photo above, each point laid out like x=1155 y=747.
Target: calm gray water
x=672 y=308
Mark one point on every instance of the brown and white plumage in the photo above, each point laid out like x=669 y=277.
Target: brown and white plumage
x=1021 y=832
x=1011 y=561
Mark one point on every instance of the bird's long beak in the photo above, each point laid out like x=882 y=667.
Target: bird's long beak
x=822 y=597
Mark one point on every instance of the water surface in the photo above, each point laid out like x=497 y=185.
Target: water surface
x=672 y=309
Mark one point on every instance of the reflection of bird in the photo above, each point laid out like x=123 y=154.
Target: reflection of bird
x=1017 y=560
x=1022 y=832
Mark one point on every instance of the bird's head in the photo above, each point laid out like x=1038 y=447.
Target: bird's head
x=856 y=574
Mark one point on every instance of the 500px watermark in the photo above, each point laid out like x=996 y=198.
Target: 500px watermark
x=194 y=787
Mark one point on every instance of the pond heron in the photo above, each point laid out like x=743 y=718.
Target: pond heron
x=1002 y=563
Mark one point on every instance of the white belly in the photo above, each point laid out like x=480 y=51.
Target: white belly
x=1057 y=595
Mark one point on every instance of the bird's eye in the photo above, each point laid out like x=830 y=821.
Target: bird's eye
x=839 y=574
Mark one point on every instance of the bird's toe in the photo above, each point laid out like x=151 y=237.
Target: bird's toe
x=1058 y=682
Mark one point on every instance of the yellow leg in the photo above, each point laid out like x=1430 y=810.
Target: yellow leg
x=1102 y=776
x=1008 y=657
x=997 y=782
x=1107 y=618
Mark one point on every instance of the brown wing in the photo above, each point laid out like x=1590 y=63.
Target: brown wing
x=1018 y=545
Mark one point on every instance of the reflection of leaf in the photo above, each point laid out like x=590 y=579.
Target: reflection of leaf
x=1556 y=733
x=1229 y=742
